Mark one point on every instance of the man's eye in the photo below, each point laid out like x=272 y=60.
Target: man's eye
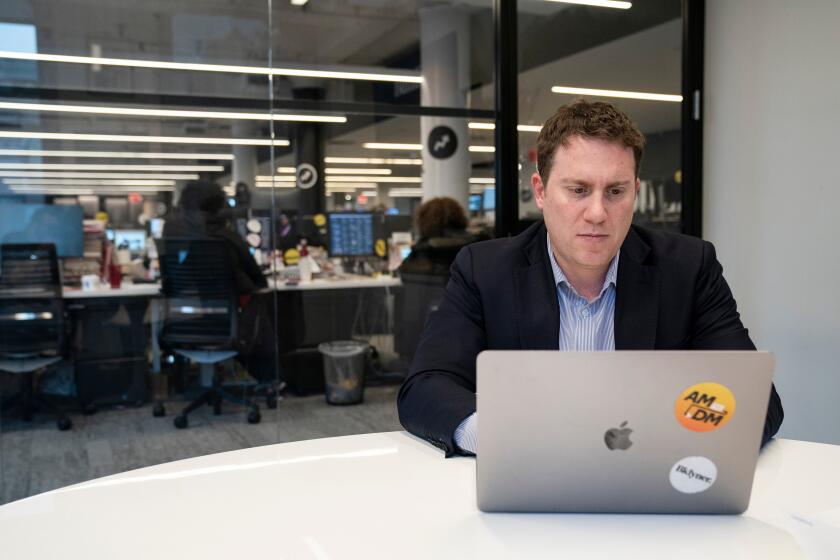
x=578 y=190
x=616 y=192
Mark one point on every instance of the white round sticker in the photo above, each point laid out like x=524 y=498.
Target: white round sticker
x=692 y=475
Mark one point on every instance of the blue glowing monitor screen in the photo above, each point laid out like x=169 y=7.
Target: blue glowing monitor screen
x=475 y=202
x=44 y=223
x=490 y=199
x=351 y=235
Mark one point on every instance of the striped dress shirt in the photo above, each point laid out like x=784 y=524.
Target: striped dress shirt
x=584 y=327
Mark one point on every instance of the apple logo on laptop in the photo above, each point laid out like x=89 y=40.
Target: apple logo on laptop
x=618 y=438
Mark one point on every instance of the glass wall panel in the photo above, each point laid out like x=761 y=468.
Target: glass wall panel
x=569 y=51
x=198 y=195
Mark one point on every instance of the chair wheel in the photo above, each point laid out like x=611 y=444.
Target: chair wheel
x=64 y=424
x=180 y=421
x=271 y=400
x=254 y=417
x=158 y=410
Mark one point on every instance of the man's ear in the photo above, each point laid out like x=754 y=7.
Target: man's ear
x=539 y=190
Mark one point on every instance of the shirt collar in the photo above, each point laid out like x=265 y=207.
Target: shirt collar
x=560 y=277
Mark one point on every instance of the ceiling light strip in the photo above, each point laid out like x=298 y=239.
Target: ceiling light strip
x=90 y=175
x=120 y=182
x=109 y=167
x=173 y=113
x=598 y=3
x=149 y=139
x=355 y=171
x=374 y=161
x=119 y=155
x=374 y=76
x=617 y=93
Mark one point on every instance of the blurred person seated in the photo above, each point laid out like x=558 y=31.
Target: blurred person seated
x=441 y=224
x=201 y=214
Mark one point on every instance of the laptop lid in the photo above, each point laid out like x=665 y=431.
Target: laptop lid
x=621 y=432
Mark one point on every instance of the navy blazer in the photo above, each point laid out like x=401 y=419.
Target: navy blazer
x=670 y=295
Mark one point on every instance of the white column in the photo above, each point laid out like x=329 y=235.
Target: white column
x=445 y=60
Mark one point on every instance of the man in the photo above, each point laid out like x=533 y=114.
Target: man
x=583 y=279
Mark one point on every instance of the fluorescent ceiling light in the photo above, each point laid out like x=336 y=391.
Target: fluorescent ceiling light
x=482 y=181
x=114 y=182
x=299 y=2
x=492 y=126
x=331 y=186
x=265 y=178
x=356 y=171
x=130 y=111
x=122 y=155
x=374 y=75
x=483 y=149
x=149 y=139
x=617 y=93
x=405 y=193
x=373 y=161
x=286 y=170
x=90 y=190
x=87 y=175
x=391 y=146
x=277 y=184
x=369 y=193
x=377 y=179
x=108 y=167
x=598 y=3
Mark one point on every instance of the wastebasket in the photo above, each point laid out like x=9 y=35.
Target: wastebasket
x=344 y=370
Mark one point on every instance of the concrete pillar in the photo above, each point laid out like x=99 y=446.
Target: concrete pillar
x=445 y=60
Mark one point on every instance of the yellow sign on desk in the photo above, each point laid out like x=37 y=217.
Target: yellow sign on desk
x=379 y=247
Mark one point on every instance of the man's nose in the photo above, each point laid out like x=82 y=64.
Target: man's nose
x=595 y=211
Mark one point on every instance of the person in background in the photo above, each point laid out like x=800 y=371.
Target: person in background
x=200 y=214
x=441 y=224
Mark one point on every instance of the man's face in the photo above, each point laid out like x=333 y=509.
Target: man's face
x=587 y=202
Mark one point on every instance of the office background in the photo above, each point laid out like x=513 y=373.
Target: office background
x=354 y=92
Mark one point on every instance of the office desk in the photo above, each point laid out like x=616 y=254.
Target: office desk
x=392 y=496
x=126 y=290
x=344 y=283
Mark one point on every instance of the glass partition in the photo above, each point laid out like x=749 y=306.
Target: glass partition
x=205 y=213
x=630 y=55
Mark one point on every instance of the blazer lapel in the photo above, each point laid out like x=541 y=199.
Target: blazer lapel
x=538 y=313
x=636 y=297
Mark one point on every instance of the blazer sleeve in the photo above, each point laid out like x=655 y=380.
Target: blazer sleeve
x=717 y=326
x=439 y=391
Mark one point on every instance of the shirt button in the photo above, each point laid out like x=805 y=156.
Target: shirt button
x=585 y=312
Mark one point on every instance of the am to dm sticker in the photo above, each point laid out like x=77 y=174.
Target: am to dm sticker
x=705 y=407
x=692 y=475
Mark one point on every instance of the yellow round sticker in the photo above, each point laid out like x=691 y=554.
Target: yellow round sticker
x=379 y=247
x=319 y=219
x=291 y=256
x=705 y=407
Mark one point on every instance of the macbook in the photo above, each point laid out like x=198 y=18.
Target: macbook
x=620 y=432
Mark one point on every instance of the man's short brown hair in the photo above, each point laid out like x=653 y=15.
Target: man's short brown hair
x=590 y=120
x=437 y=216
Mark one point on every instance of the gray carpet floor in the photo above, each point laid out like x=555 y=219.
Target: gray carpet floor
x=36 y=457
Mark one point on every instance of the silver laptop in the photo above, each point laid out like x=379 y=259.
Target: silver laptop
x=620 y=432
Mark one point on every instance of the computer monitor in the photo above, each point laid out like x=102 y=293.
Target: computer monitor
x=132 y=239
x=475 y=203
x=44 y=223
x=490 y=199
x=350 y=234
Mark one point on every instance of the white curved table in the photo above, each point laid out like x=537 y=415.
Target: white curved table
x=392 y=496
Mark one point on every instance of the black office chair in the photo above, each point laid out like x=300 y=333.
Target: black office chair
x=419 y=296
x=200 y=315
x=32 y=326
